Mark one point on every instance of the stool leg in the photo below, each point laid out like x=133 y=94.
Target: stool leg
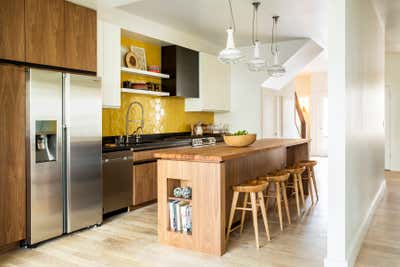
x=310 y=189
x=266 y=197
x=285 y=202
x=246 y=195
x=314 y=183
x=233 y=208
x=296 y=190
x=264 y=214
x=278 y=202
x=254 y=211
x=300 y=180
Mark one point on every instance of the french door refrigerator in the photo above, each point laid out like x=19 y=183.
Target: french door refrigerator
x=64 y=154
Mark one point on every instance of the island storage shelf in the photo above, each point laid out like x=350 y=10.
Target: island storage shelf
x=211 y=172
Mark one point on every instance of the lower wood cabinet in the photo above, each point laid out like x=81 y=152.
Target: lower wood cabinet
x=144 y=182
x=12 y=156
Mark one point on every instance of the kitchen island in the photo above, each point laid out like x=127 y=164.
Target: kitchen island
x=210 y=172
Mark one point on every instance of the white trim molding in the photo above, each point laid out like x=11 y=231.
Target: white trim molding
x=362 y=231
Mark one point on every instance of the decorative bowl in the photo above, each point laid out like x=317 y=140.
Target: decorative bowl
x=240 y=140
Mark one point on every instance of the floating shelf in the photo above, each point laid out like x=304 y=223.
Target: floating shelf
x=180 y=199
x=143 y=92
x=145 y=72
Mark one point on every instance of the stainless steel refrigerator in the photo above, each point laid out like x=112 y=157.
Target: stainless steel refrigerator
x=64 y=153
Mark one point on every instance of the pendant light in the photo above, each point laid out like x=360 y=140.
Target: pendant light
x=230 y=55
x=257 y=63
x=275 y=70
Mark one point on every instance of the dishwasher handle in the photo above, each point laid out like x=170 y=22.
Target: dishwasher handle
x=107 y=160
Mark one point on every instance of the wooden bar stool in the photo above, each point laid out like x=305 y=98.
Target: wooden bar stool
x=312 y=183
x=255 y=189
x=297 y=185
x=279 y=178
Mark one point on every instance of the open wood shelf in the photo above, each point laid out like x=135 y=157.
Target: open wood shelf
x=180 y=199
x=145 y=73
x=180 y=232
x=143 y=92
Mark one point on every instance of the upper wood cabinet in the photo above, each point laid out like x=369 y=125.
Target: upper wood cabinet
x=182 y=65
x=214 y=84
x=45 y=33
x=80 y=38
x=12 y=31
x=12 y=157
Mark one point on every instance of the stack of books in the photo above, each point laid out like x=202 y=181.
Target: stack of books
x=180 y=214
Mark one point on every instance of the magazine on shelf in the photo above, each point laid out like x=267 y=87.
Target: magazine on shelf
x=172 y=215
x=180 y=216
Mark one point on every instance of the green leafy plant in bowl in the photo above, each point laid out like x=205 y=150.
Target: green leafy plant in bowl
x=240 y=139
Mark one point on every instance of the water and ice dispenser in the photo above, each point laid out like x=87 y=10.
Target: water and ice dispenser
x=46 y=140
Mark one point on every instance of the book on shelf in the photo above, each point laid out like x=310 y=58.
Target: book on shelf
x=172 y=215
x=180 y=216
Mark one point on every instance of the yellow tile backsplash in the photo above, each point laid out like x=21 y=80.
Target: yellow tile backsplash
x=161 y=114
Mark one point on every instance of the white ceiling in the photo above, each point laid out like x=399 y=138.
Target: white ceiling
x=209 y=18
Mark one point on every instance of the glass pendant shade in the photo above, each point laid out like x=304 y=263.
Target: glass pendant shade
x=230 y=55
x=276 y=70
x=257 y=63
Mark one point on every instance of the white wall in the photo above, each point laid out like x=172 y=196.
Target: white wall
x=356 y=133
x=246 y=98
x=392 y=78
x=319 y=87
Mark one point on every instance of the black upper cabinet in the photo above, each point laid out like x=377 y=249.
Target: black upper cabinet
x=182 y=65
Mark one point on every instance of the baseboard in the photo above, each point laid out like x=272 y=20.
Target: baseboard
x=362 y=231
x=360 y=235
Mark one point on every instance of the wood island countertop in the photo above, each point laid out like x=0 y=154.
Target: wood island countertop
x=221 y=152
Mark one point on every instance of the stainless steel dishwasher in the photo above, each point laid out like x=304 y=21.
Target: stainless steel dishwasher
x=117 y=180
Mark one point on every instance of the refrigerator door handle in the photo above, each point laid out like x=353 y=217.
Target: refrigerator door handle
x=66 y=148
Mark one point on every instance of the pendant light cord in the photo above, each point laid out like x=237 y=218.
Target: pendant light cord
x=232 y=17
x=274 y=28
x=254 y=34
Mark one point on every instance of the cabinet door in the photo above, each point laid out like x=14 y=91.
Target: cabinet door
x=144 y=182
x=12 y=33
x=12 y=156
x=80 y=38
x=109 y=63
x=214 y=86
x=214 y=83
x=44 y=31
x=187 y=72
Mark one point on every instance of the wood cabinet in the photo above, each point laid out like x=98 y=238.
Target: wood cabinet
x=214 y=86
x=80 y=38
x=12 y=33
x=12 y=156
x=144 y=182
x=109 y=63
x=182 y=65
x=45 y=32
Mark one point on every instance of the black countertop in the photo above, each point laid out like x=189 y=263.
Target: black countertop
x=153 y=141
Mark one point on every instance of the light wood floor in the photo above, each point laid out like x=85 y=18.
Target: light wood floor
x=130 y=240
x=381 y=247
